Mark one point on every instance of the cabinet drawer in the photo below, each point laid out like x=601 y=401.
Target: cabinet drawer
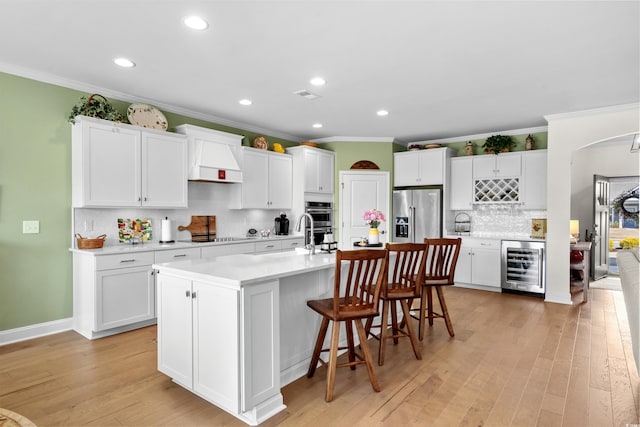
x=292 y=244
x=268 y=246
x=130 y=259
x=177 y=255
x=481 y=243
x=228 y=249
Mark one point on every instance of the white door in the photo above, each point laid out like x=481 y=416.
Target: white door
x=359 y=192
x=164 y=171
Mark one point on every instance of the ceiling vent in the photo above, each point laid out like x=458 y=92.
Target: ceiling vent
x=306 y=94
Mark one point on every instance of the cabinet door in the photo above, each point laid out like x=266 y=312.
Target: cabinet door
x=485 y=267
x=280 y=184
x=461 y=189
x=325 y=173
x=406 y=169
x=110 y=165
x=484 y=166
x=463 y=266
x=508 y=164
x=164 y=170
x=534 y=180
x=175 y=338
x=124 y=296
x=431 y=167
x=255 y=185
x=216 y=355
x=311 y=171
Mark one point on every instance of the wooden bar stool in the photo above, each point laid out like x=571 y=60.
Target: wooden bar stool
x=353 y=300
x=406 y=275
x=442 y=256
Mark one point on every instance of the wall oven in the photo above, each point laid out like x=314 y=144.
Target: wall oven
x=322 y=214
x=523 y=267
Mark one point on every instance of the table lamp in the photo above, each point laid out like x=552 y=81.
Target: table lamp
x=574 y=230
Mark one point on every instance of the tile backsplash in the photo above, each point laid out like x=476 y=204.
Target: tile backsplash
x=502 y=221
x=204 y=199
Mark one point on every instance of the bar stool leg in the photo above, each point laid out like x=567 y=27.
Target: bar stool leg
x=367 y=356
x=333 y=360
x=394 y=321
x=412 y=335
x=350 y=346
x=318 y=348
x=430 y=304
x=445 y=312
x=384 y=322
x=423 y=310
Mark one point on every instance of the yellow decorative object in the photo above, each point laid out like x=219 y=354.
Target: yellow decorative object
x=278 y=148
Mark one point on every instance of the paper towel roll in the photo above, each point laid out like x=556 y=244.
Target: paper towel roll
x=166 y=233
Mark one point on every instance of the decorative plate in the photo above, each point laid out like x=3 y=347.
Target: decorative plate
x=260 y=142
x=432 y=146
x=309 y=144
x=146 y=116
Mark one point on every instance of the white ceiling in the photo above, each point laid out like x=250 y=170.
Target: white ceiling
x=442 y=68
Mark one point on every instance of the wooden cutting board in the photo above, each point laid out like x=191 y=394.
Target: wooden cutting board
x=202 y=228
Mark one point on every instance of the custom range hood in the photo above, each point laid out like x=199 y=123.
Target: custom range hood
x=213 y=154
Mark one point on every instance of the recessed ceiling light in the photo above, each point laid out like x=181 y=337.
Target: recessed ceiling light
x=317 y=81
x=245 y=102
x=382 y=113
x=124 y=62
x=195 y=23
x=317 y=125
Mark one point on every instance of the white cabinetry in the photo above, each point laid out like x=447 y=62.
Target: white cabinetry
x=198 y=333
x=316 y=166
x=423 y=167
x=112 y=292
x=534 y=180
x=479 y=264
x=267 y=182
x=461 y=184
x=497 y=166
x=119 y=165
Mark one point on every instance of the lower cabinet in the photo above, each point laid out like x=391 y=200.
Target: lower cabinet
x=112 y=293
x=201 y=347
x=479 y=263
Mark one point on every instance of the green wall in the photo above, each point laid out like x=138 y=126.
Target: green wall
x=35 y=184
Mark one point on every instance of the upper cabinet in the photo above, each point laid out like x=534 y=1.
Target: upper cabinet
x=497 y=166
x=120 y=165
x=461 y=184
x=534 y=180
x=267 y=180
x=315 y=167
x=422 y=167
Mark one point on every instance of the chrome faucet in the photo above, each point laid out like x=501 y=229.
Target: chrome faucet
x=311 y=246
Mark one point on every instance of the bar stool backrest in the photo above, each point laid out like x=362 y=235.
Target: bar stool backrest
x=442 y=256
x=366 y=275
x=406 y=268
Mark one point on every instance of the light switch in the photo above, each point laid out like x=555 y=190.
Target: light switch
x=30 y=227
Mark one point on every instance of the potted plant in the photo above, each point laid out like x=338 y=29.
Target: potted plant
x=96 y=106
x=498 y=144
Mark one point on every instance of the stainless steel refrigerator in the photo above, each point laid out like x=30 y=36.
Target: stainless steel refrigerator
x=417 y=214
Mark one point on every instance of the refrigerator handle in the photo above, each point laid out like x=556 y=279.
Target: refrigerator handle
x=412 y=223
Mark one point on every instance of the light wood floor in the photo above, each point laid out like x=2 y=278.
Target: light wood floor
x=514 y=361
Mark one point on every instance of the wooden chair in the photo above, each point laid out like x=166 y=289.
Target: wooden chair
x=441 y=256
x=355 y=298
x=406 y=274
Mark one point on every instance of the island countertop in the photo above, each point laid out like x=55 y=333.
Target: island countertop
x=244 y=269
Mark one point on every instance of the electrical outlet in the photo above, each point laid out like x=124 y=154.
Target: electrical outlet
x=30 y=227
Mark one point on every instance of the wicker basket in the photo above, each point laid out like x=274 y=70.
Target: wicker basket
x=96 y=243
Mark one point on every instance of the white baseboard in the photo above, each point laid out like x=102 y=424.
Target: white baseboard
x=34 y=331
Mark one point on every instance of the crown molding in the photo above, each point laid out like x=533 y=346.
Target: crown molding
x=86 y=87
x=354 y=139
x=592 y=112
x=511 y=132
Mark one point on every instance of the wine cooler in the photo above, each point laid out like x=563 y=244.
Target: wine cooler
x=523 y=267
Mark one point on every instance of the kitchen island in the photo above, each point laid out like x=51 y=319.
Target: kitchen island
x=236 y=329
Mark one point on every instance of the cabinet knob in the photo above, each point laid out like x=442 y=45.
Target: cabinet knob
x=193 y=294
x=188 y=294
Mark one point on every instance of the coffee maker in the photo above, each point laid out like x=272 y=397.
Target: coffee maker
x=282 y=225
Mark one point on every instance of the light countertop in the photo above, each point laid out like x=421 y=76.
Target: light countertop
x=156 y=246
x=239 y=270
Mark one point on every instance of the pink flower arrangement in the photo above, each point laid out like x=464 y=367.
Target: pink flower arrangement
x=373 y=218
